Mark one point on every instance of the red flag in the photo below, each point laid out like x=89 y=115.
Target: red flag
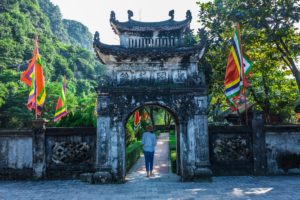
x=34 y=78
x=137 y=119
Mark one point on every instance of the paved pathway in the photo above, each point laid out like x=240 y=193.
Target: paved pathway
x=161 y=161
x=163 y=186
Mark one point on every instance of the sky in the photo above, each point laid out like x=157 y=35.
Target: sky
x=95 y=14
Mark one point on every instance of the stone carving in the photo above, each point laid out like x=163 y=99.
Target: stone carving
x=188 y=14
x=103 y=102
x=231 y=149
x=161 y=76
x=180 y=76
x=112 y=16
x=130 y=14
x=96 y=37
x=171 y=14
x=71 y=152
x=201 y=102
x=142 y=75
x=123 y=77
x=197 y=80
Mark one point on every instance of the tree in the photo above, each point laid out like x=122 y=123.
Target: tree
x=20 y=21
x=269 y=36
x=276 y=19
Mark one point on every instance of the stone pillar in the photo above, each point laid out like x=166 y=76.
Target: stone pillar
x=259 y=142
x=103 y=165
x=202 y=163
x=38 y=148
x=102 y=144
x=186 y=170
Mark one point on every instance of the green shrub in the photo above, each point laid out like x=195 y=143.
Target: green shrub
x=133 y=153
x=173 y=161
x=172 y=150
x=172 y=132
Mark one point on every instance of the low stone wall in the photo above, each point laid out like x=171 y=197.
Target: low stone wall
x=15 y=153
x=50 y=153
x=67 y=152
x=70 y=151
x=283 y=149
x=230 y=150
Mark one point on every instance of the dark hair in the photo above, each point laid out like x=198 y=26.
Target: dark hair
x=149 y=128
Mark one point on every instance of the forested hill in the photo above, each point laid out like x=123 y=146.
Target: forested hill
x=65 y=47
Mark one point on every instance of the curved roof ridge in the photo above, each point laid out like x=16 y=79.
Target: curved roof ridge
x=134 y=25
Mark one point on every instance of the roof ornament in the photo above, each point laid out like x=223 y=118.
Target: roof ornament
x=171 y=14
x=130 y=14
x=188 y=15
x=96 y=37
x=112 y=16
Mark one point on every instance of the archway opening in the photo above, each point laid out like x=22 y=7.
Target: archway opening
x=166 y=129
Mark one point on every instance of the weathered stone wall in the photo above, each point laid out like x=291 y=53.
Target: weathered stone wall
x=69 y=151
x=231 y=150
x=46 y=152
x=15 y=153
x=283 y=149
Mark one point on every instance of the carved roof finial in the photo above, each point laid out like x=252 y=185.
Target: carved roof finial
x=96 y=37
x=130 y=14
x=188 y=14
x=171 y=14
x=112 y=16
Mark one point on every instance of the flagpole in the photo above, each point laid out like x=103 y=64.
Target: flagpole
x=243 y=73
x=35 y=92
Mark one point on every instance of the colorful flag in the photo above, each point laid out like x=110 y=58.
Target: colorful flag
x=40 y=85
x=26 y=76
x=32 y=93
x=34 y=78
x=137 y=120
x=61 y=106
x=145 y=116
x=237 y=69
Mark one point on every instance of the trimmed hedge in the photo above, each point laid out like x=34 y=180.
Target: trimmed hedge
x=133 y=153
x=172 y=150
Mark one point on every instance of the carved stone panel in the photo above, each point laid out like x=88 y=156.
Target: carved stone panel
x=231 y=149
x=161 y=76
x=142 y=76
x=201 y=104
x=71 y=153
x=103 y=105
x=179 y=76
x=123 y=77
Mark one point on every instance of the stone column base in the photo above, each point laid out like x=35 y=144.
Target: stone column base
x=203 y=172
x=199 y=174
x=103 y=177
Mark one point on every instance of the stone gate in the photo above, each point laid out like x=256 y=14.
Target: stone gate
x=156 y=63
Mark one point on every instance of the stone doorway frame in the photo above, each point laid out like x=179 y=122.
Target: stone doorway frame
x=113 y=110
x=177 y=128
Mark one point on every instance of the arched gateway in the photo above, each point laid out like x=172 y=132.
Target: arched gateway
x=153 y=65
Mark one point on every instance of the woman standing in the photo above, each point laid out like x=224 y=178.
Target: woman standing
x=149 y=142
